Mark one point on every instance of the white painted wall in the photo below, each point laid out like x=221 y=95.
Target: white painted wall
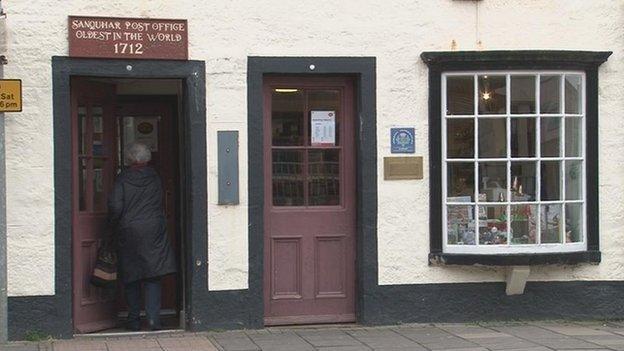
x=223 y=33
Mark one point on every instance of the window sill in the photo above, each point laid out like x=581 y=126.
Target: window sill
x=564 y=258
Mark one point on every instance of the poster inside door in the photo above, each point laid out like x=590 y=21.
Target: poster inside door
x=323 y=128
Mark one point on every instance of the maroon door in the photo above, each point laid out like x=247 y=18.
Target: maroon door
x=149 y=120
x=309 y=240
x=92 y=178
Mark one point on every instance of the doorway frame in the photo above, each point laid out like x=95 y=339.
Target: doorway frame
x=192 y=158
x=363 y=70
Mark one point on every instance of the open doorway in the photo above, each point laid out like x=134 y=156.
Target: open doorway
x=108 y=114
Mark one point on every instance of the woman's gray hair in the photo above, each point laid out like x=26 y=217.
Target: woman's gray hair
x=138 y=153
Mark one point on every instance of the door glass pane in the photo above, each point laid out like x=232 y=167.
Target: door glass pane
x=492 y=225
x=523 y=181
x=551 y=181
x=287 y=177
x=573 y=94
x=492 y=137
x=82 y=184
x=550 y=216
x=523 y=224
x=492 y=95
x=98 y=130
x=550 y=137
x=323 y=177
x=573 y=180
x=99 y=193
x=574 y=223
x=523 y=137
x=523 y=94
x=287 y=117
x=460 y=138
x=549 y=94
x=460 y=225
x=493 y=181
x=460 y=181
x=573 y=137
x=460 y=95
x=82 y=129
x=325 y=100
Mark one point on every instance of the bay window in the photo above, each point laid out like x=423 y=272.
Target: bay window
x=513 y=156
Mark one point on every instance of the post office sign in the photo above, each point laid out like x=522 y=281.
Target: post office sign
x=10 y=95
x=401 y=168
x=135 y=38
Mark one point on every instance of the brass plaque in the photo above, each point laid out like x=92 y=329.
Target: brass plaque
x=396 y=168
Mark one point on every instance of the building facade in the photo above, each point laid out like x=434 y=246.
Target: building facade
x=369 y=162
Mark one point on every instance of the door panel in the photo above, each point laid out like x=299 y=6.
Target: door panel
x=309 y=260
x=93 y=157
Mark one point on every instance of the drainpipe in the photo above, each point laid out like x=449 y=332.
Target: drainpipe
x=3 y=232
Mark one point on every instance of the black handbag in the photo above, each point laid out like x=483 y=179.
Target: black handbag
x=105 y=270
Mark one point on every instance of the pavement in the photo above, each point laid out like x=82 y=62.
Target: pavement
x=529 y=336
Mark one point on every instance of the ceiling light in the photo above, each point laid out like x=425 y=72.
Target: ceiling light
x=284 y=90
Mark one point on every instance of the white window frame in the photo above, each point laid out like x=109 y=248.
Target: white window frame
x=509 y=248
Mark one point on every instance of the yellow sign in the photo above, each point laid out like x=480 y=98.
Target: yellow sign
x=10 y=95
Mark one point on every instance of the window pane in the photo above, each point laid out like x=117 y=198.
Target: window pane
x=492 y=225
x=573 y=94
x=287 y=177
x=550 y=136
x=574 y=180
x=574 y=223
x=82 y=184
x=82 y=129
x=549 y=94
x=550 y=216
x=323 y=177
x=460 y=95
x=551 y=181
x=492 y=137
x=98 y=130
x=522 y=94
x=325 y=100
x=573 y=137
x=492 y=95
x=460 y=181
x=523 y=181
x=523 y=137
x=99 y=194
x=523 y=224
x=460 y=138
x=460 y=225
x=493 y=181
x=287 y=117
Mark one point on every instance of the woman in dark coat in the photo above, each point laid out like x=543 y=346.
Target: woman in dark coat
x=136 y=215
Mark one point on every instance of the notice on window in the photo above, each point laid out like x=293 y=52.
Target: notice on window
x=323 y=128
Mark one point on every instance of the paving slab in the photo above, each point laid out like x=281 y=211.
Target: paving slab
x=344 y=348
x=187 y=343
x=80 y=345
x=385 y=340
x=566 y=343
x=133 y=345
x=287 y=341
x=504 y=342
x=328 y=338
x=528 y=332
x=434 y=338
x=574 y=330
x=235 y=341
x=20 y=347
